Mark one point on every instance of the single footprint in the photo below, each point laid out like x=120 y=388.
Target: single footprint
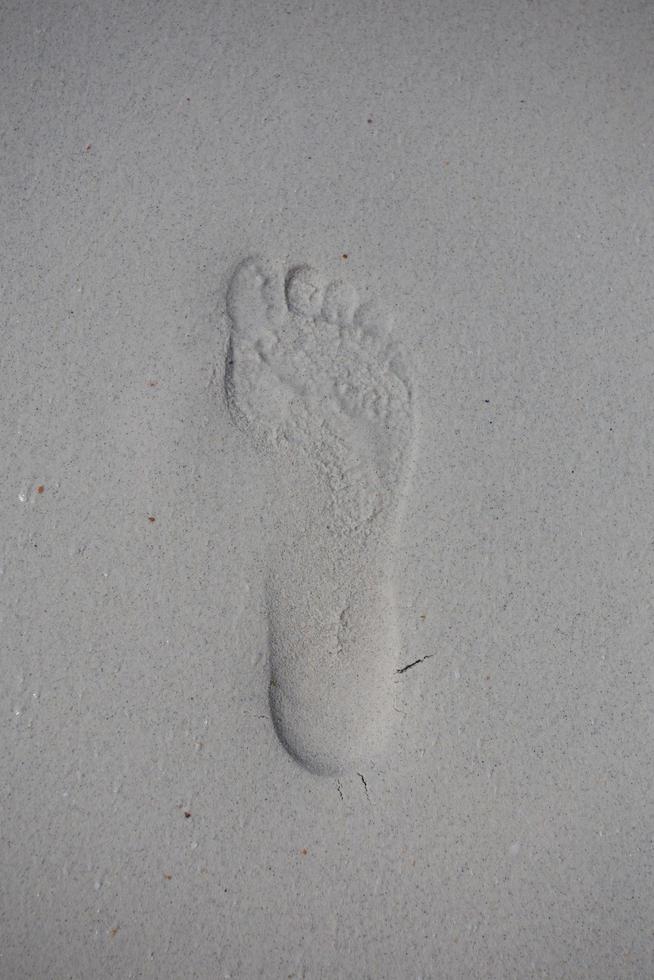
x=316 y=381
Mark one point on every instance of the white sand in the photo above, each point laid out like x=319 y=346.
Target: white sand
x=483 y=173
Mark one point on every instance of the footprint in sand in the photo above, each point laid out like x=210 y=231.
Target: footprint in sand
x=315 y=380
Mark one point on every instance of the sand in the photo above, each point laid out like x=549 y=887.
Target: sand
x=326 y=502
x=315 y=379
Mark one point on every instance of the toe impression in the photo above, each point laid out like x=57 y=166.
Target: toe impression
x=304 y=291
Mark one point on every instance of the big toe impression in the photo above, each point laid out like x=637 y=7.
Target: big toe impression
x=254 y=296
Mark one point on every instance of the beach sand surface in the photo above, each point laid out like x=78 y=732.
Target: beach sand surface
x=326 y=490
